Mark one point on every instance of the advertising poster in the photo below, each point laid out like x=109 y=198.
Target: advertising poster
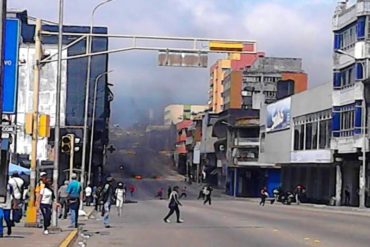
x=278 y=115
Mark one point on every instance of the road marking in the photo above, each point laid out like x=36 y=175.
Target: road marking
x=275 y=230
x=306 y=239
x=317 y=241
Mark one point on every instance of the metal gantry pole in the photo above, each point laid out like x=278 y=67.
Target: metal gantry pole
x=87 y=93
x=57 y=113
x=93 y=124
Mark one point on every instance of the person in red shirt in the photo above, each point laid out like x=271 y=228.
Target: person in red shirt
x=132 y=189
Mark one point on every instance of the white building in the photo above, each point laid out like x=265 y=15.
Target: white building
x=174 y=114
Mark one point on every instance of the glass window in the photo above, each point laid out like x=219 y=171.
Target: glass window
x=301 y=138
x=314 y=135
x=296 y=137
x=323 y=134
x=308 y=136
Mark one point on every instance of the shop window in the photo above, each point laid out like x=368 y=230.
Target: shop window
x=308 y=136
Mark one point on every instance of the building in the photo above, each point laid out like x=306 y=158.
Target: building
x=295 y=134
x=235 y=62
x=350 y=90
x=72 y=95
x=174 y=114
x=180 y=154
x=266 y=75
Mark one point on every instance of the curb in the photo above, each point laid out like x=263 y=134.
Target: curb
x=69 y=240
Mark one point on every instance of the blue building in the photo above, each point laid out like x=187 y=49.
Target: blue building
x=350 y=73
x=73 y=92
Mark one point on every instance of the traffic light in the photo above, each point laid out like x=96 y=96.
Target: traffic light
x=67 y=143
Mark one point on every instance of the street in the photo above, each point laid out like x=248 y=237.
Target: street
x=227 y=222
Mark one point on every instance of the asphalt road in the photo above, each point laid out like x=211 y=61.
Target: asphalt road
x=226 y=223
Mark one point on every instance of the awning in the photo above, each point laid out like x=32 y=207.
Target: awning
x=19 y=169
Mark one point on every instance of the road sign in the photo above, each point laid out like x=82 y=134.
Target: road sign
x=11 y=65
x=183 y=59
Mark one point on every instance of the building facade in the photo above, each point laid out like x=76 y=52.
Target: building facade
x=262 y=79
x=299 y=142
x=350 y=89
x=235 y=62
x=174 y=114
x=72 y=97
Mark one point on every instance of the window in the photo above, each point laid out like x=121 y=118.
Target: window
x=312 y=131
x=347 y=118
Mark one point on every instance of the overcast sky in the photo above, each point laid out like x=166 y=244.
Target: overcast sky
x=286 y=28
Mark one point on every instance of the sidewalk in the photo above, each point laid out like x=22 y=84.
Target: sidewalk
x=30 y=237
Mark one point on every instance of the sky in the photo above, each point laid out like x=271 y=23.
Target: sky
x=284 y=28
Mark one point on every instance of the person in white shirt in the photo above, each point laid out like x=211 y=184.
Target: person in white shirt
x=16 y=184
x=47 y=198
x=5 y=212
x=88 y=194
x=120 y=197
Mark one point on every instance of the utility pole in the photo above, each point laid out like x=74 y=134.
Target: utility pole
x=3 y=162
x=57 y=113
x=31 y=219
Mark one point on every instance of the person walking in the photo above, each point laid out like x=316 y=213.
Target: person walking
x=107 y=195
x=169 y=190
x=47 y=198
x=74 y=195
x=347 y=196
x=183 y=192
x=120 y=197
x=208 y=193
x=173 y=205
x=63 y=200
x=5 y=213
x=132 y=189
x=97 y=197
x=201 y=194
x=159 y=194
x=88 y=195
x=16 y=184
x=263 y=195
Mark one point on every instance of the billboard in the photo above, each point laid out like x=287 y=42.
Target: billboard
x=11 y=65
x=278 y=115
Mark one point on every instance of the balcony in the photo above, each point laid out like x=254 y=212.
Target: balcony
x=242 y=142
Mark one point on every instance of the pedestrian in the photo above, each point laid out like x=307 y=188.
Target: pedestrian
x=5 y=213
x=40 y=185
x=107 y=195
x=208 y=193
x=74 y=195
x=169 y=190
x=46 y=202
x=16 y=184
x=160 y=193
x=97 y=197
x=132 y=189
x=201 y=194
x=63 y=200
x=347 y=196
x=298 y=193
x=120 y=197
x=173 y=205
x=88 y=195
x=263 y=194
x=183 y=192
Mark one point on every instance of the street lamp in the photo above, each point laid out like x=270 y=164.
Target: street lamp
x=93 y=124
x=87 y=92
x=362 y=179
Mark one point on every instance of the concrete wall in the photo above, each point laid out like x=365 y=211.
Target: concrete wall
x=313 y=100
x=278 y=145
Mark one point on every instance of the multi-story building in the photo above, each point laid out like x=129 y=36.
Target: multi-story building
x=262 y=79
x=72 y=95
x=235 y=62
x=174 y=114
x=350 y=90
